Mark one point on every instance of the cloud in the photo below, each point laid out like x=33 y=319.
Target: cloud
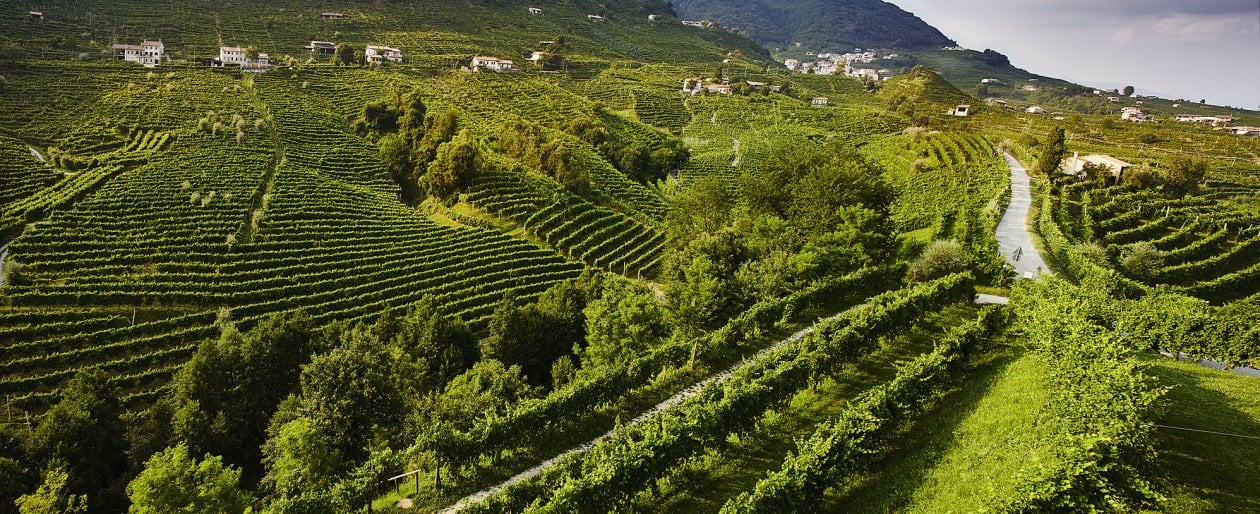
x=1217 y=27
x=1122 y=35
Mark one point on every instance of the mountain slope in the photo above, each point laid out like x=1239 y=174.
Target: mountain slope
x=821 y=24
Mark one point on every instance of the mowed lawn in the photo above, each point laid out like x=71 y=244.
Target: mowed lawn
x=981 y=437
x=1207 y=472
x=971 y=447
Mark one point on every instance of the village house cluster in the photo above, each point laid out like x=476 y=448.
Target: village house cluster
x=831 y=63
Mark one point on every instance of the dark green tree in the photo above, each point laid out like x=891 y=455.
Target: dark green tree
x=84 y=432
x=1052 y=154
x=344 y=55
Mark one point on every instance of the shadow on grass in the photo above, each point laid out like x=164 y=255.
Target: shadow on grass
x=1202 y=472
x=892 y=480
x=724 y=472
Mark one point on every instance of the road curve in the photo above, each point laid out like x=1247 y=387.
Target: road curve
x=1014 y=241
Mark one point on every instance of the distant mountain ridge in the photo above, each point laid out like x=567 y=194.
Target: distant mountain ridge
x=828 y=25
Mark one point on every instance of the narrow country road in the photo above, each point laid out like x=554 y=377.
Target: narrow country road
x=1014 y=242
x=649 y=414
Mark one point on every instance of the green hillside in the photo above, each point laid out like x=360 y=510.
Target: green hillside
x=333 y=285
x=827 y=25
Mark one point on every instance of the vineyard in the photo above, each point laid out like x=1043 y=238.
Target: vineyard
x=580 y=288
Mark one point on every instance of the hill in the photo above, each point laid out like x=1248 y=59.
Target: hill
x=826 y=25
x=334 y=283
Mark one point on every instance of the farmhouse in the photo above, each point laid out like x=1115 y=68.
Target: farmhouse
x=37 y=15
x=961 y=110
x=377 y=55
x=818 y=101
x=331 y=15
x=653 y=17
x=595 y=18
x=1113 y=99
x=322 y=48
x=495 y=64
x=535 y=10
x=149 y=53
x=1075 y=165
x=536 y=56
x=1245 y=131
x=1036 y=109
x=1134 y=114
x=232 y=55
x=722 y=89
x=1219 y=119
x=690 y=23
x=990 y=81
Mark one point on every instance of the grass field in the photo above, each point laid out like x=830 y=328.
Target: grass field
x=1208 y=472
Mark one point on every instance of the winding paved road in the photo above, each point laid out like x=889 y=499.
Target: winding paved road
x=1014 y=242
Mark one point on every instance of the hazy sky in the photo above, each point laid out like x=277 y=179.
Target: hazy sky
x=1172 y=48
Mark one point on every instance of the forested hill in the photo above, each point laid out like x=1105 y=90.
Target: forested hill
x=819 y=24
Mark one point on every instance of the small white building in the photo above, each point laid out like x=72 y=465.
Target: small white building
x=232 y=55
x=37 y=15
x=1075 y=165
x=961 y=110
x=1134 y=114
x=322 y=48
x=495 y=64
x=377 y=55
x=331 y=15
x=818 y=101
x=1036 y=109
x=1113 y=99
x=594 y=18
x=535 y=10
x=149 y=53
x=654 y=17
x=691 y=23
x=990 y=81
x=1245 y=131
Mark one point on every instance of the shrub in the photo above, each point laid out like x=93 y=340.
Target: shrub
x=942 y=258
x=1142 y=260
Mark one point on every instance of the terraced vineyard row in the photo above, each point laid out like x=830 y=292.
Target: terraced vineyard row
x=928 y=169
x=1204 y=247
x=159 y=241
x=600 y=237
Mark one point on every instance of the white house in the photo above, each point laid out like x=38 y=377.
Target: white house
x=691 y=23
x=331 y=15
x=495 y=64
x=594 y=18
x=149 y=53
x=1036 y=109
x=232 y=55
x=37 y=15
x=535 y=10
x=990 y=81
x=1245 y=131
x=377 y=55
x=1113 y=99
x=1214 y=120
x=818 y=101
x=653 y=17
x=1075 y=165
x=536 y=56
x=961 y=110
x=1133 y=114
x=323 y=48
